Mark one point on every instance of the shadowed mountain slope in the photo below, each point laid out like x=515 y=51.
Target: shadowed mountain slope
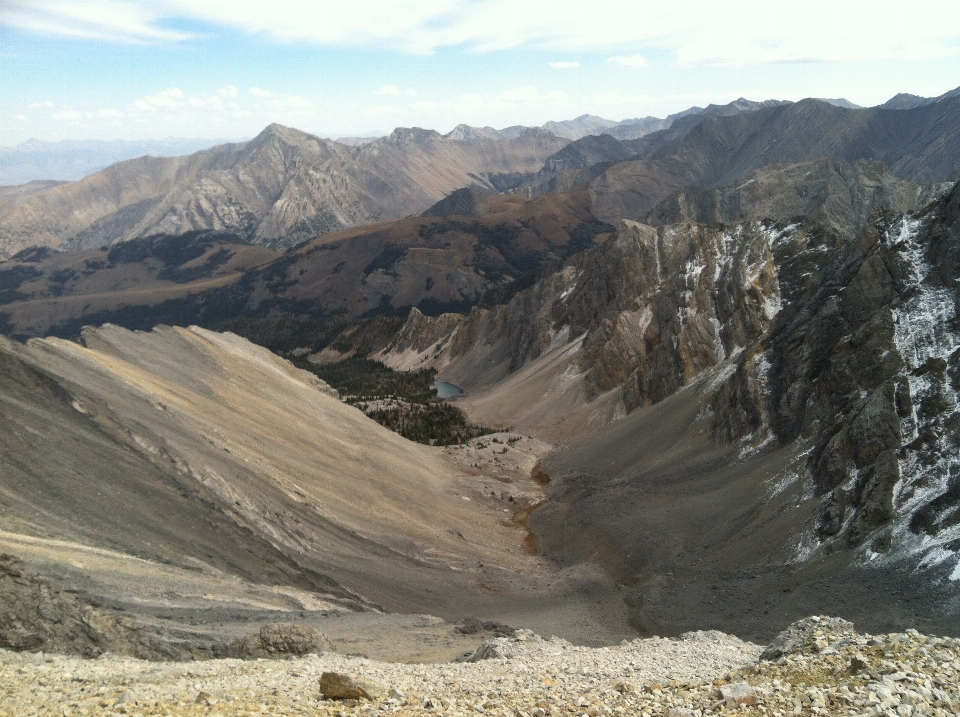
x=837 y=193
x=598 y=144
x=918 y=145
x=446 y=262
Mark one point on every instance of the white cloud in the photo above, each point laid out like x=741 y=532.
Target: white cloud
x=294 y=102
x=110 y=20
x=221 y=112
x=738 y=32
x=170 y=98
x=47 y=104
x=20 y=118
x=257 y=92
x=636 y=60
x=564 y=65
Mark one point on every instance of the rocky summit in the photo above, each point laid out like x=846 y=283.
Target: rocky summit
x=818 y=666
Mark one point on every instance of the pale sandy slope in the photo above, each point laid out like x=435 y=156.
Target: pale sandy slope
x=225 y=477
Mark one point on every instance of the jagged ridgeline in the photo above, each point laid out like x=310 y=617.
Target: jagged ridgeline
x=402 y=401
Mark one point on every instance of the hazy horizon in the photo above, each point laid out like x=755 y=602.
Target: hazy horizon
x=104 y=69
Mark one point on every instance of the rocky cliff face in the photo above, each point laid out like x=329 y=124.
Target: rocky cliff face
x=864 y=371
x=278 y=189
x=649 y=310
x=838 y=355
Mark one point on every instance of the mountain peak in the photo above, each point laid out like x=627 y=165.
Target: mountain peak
x=407 y=135
x=282 y=131
x=279 y=133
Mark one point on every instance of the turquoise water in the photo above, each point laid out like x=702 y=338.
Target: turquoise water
x=446 y=390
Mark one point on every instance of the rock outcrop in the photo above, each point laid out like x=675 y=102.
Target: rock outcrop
x=281 y=639
x=37 y=615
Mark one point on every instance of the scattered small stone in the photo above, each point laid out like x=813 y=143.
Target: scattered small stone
x=738 y=693
x=902 y=675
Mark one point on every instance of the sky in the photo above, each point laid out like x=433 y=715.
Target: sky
x=224 y=69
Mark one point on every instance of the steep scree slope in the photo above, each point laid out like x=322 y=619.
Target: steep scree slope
x=200 y=463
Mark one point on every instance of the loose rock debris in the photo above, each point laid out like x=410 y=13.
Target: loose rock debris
x=823 y=667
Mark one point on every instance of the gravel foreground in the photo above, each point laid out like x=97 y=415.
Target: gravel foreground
x=818 y=666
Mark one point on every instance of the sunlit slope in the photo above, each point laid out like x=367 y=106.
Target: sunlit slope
x=201 y=449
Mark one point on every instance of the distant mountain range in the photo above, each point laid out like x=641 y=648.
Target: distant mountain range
x=280 y=188
x=921 y=144
x=69 y=160
x=287 y=186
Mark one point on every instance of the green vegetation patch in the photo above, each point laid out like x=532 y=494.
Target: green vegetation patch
x=436 y=424
x=359 y=379
x=10 y=280
x=399 y=400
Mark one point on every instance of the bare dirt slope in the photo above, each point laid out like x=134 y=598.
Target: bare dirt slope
x=708 y=535
x=182 y=471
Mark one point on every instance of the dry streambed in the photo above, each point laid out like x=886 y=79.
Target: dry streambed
x=816 y=667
